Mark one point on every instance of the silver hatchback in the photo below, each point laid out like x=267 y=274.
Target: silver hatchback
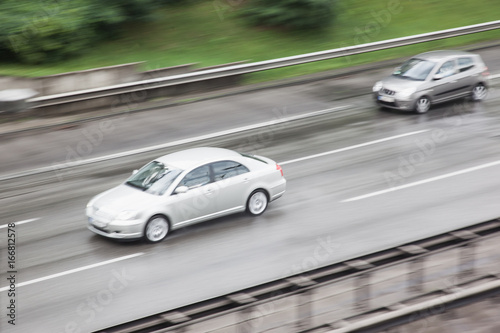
x=431 y=78
x=184 y=188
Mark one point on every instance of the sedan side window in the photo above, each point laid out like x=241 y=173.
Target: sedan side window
x=227 y=169
x=196 y=178
x=447 y=69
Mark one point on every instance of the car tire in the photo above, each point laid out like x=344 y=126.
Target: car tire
x=257 y=202
x=423 y=104
x=479 y=92
x=156 y=229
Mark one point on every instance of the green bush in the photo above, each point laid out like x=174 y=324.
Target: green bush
x=290 y=14
x=34 y=31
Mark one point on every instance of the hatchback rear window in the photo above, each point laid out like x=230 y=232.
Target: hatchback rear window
x=465 y=63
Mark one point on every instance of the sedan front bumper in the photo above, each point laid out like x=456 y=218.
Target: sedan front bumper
x=116 y=229
x=115 y=235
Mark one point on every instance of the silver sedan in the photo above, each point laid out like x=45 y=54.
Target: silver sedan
x=185 y=188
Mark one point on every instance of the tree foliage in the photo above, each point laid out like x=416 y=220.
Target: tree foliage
x=290 y=14
x=37 y=31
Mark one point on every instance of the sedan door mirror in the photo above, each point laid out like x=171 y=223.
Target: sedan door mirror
x=134 y=172
x=181 y=189
x=438 y=76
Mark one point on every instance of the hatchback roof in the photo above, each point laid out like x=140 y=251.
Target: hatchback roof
x=189 y=158
x=442 y=54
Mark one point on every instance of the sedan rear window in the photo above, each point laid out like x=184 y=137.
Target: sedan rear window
x=227 y=169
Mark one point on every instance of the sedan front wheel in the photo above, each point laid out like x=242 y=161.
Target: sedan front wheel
x=156 y=229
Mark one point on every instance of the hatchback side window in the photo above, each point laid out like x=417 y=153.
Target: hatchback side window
x=447 y=69
x=196 y=178
x=227 y=169
x=465 y=63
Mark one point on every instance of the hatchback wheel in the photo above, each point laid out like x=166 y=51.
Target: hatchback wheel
x=479 y=92
x=156 y=229
x=423 y=104
x=257 y=202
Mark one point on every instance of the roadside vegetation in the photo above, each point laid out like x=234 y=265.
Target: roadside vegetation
x=212 y=32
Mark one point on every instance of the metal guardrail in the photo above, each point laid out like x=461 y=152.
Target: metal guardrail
x=302 y=290
x=211 y=74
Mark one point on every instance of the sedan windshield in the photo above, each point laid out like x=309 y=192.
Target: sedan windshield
x=414 y=69
x=154 y=178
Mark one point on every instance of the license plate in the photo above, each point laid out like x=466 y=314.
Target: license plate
x=386 y=99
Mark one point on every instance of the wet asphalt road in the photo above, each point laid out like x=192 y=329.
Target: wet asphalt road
x=431 y=173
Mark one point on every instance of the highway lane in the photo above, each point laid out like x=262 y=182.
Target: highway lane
x=130 y=131
x=309 y=227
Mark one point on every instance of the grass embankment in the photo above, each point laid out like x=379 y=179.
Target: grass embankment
x=211 y=33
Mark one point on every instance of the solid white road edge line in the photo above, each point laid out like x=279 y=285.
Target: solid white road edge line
x=352 y=147
x=71 y=271
x=428 y=180
x=20 y=222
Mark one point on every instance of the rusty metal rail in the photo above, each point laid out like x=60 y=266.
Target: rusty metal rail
x=298 y=298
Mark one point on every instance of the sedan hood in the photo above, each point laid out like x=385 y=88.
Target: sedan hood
x=123 y=197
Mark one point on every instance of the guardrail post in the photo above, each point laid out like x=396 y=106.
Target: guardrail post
x=362 y=284
x=304 y=305
x=304 y=313
x=416 y=275
x=467 y=255
x=467 y=262
x=244 y=324
x=416 y=272
x=362 y=292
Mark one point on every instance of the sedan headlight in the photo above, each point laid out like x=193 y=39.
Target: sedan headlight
x=127 y=215
x=405 y=93
x=377 y=86
x=89 y=209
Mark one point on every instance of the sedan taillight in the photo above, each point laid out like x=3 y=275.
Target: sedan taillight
x=278 y=167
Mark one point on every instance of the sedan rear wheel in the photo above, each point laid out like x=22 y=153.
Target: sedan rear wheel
x=156 y=229
x=423 y=104
x=257 y=202
x=479 y=92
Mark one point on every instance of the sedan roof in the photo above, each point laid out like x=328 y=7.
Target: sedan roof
x=190 y=158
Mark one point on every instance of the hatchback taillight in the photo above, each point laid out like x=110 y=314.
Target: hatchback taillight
x=485 y=71
x=278 y=167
